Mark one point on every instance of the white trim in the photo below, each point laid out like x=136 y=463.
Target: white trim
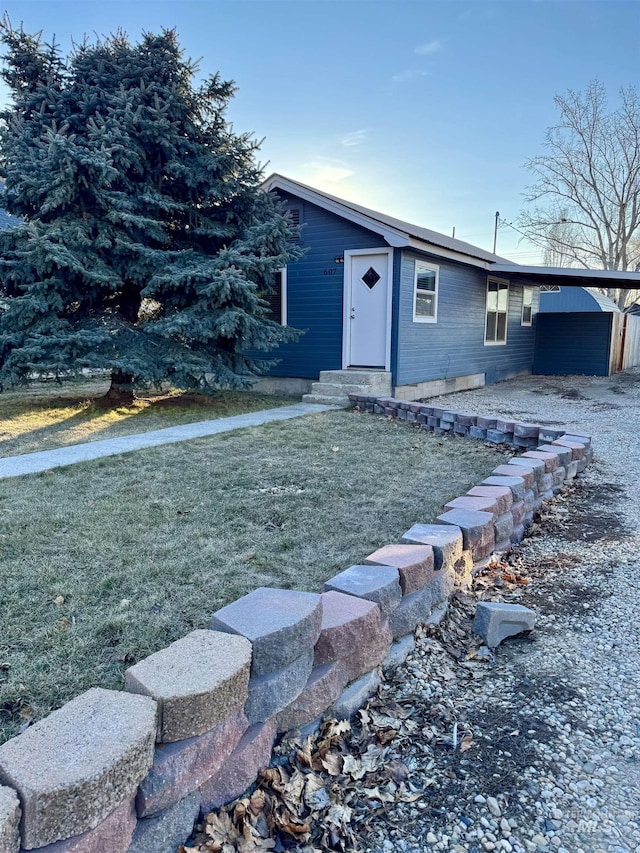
x=527 y=288
x=493 y=278
x=435 y=268
x=441 y=252
x=283 y=296
x=346 y=303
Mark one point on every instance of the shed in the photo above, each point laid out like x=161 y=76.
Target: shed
x=563 y=299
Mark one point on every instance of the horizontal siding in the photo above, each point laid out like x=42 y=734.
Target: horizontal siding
x=568 y=299
x=454 y=345
x=314 y=301
x=573 y=343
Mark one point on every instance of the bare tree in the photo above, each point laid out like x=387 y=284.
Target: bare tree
x=586 y=199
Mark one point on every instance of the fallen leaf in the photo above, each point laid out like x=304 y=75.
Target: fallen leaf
x=59 y=599
x=466 y=743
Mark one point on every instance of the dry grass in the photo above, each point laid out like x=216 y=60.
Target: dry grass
x=143 y=547
x=47 y=415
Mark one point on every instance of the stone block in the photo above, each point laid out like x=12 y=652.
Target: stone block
x=577 y=449
x=354 y=697
x=380 y=584
x=446 y=426
x=353 y=632
x=504 y=546
x=517 y=534
x=559 y=476
x=462 y=571
x=548 y=434
x=496 y=436
x=478 y=433
x=413 y=610
x=444 y=582
x=466 y=419
x=198 y=681
x=500 y=495
x=523 y=430
x=272 y=692
x=536 y=465
x=578 y=438
x=113 y=834
x=414 y=563
x=461 y=430
x=477 y=529
x=165 y=832
x=445 y=540
x=505 y=426
x=9 y=821
x=547 y=483
x=448 y=416
x=399 y=652
x=402 y=414
x=525 y=443
x=547 y=495
x=530 y=498
x=486 y=423
x=180 y=768
x=280 y=623
x=551 y=460
x=581 y=465
x=515 y=484
x=325 y=684
x=516 y=471
x=437 y=411
x=412 y=417
x=572 y=470
x=518 y=511
x=503 y=527
x=433 y=421
x=563 y=453
x=479 y=503
x=495 y=621
x=251 y=754
x=75 y=767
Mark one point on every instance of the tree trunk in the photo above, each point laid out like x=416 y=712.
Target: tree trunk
x=120 y=392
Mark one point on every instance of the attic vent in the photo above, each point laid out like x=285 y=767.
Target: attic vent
x=294 y=216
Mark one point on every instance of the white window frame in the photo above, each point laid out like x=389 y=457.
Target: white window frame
x=495 y=280
x=419 y=318
x=529 y=322
x=283 y=296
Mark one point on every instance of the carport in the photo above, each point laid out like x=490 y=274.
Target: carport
x=595 y=344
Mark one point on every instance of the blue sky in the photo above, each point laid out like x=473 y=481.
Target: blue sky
x=424 y=110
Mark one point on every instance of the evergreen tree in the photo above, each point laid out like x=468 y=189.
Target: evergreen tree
x=145 y=242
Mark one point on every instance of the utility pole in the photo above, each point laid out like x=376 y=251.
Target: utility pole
x=495 y=231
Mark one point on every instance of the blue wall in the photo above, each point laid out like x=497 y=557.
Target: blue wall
x=573 y=343
x=454 y=346
x=315 y=288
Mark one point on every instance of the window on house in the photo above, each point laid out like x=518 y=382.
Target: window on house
x=425 y=292
x=277 y=298
x=527 y=305
x=497 y=311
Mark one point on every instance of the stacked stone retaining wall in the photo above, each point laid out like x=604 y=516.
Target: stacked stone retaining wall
x=131 y=771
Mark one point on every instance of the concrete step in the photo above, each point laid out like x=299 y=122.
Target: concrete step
x=335 y=389
x=370 y=378
x=343 y=402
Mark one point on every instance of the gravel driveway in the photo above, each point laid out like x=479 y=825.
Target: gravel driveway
x=534 y=747
x=553 y=721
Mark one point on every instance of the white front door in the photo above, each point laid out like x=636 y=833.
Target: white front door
x=367 y=308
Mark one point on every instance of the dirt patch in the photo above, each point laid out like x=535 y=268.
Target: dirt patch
x=583 y=515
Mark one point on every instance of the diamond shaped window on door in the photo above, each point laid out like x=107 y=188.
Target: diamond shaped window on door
x=371 y=278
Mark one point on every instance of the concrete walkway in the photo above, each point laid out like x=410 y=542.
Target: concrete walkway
x=32 y=463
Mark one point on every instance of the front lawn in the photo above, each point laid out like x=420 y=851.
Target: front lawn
x=104 y=562
x=47 y=415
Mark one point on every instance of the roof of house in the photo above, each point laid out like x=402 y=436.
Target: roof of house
x=395 y=231
x=406 y=235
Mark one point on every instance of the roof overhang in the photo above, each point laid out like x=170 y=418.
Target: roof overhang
x=567 y=276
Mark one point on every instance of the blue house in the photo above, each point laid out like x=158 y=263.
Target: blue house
x=395 y=306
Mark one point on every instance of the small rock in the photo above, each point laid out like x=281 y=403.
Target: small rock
x=494 y=807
